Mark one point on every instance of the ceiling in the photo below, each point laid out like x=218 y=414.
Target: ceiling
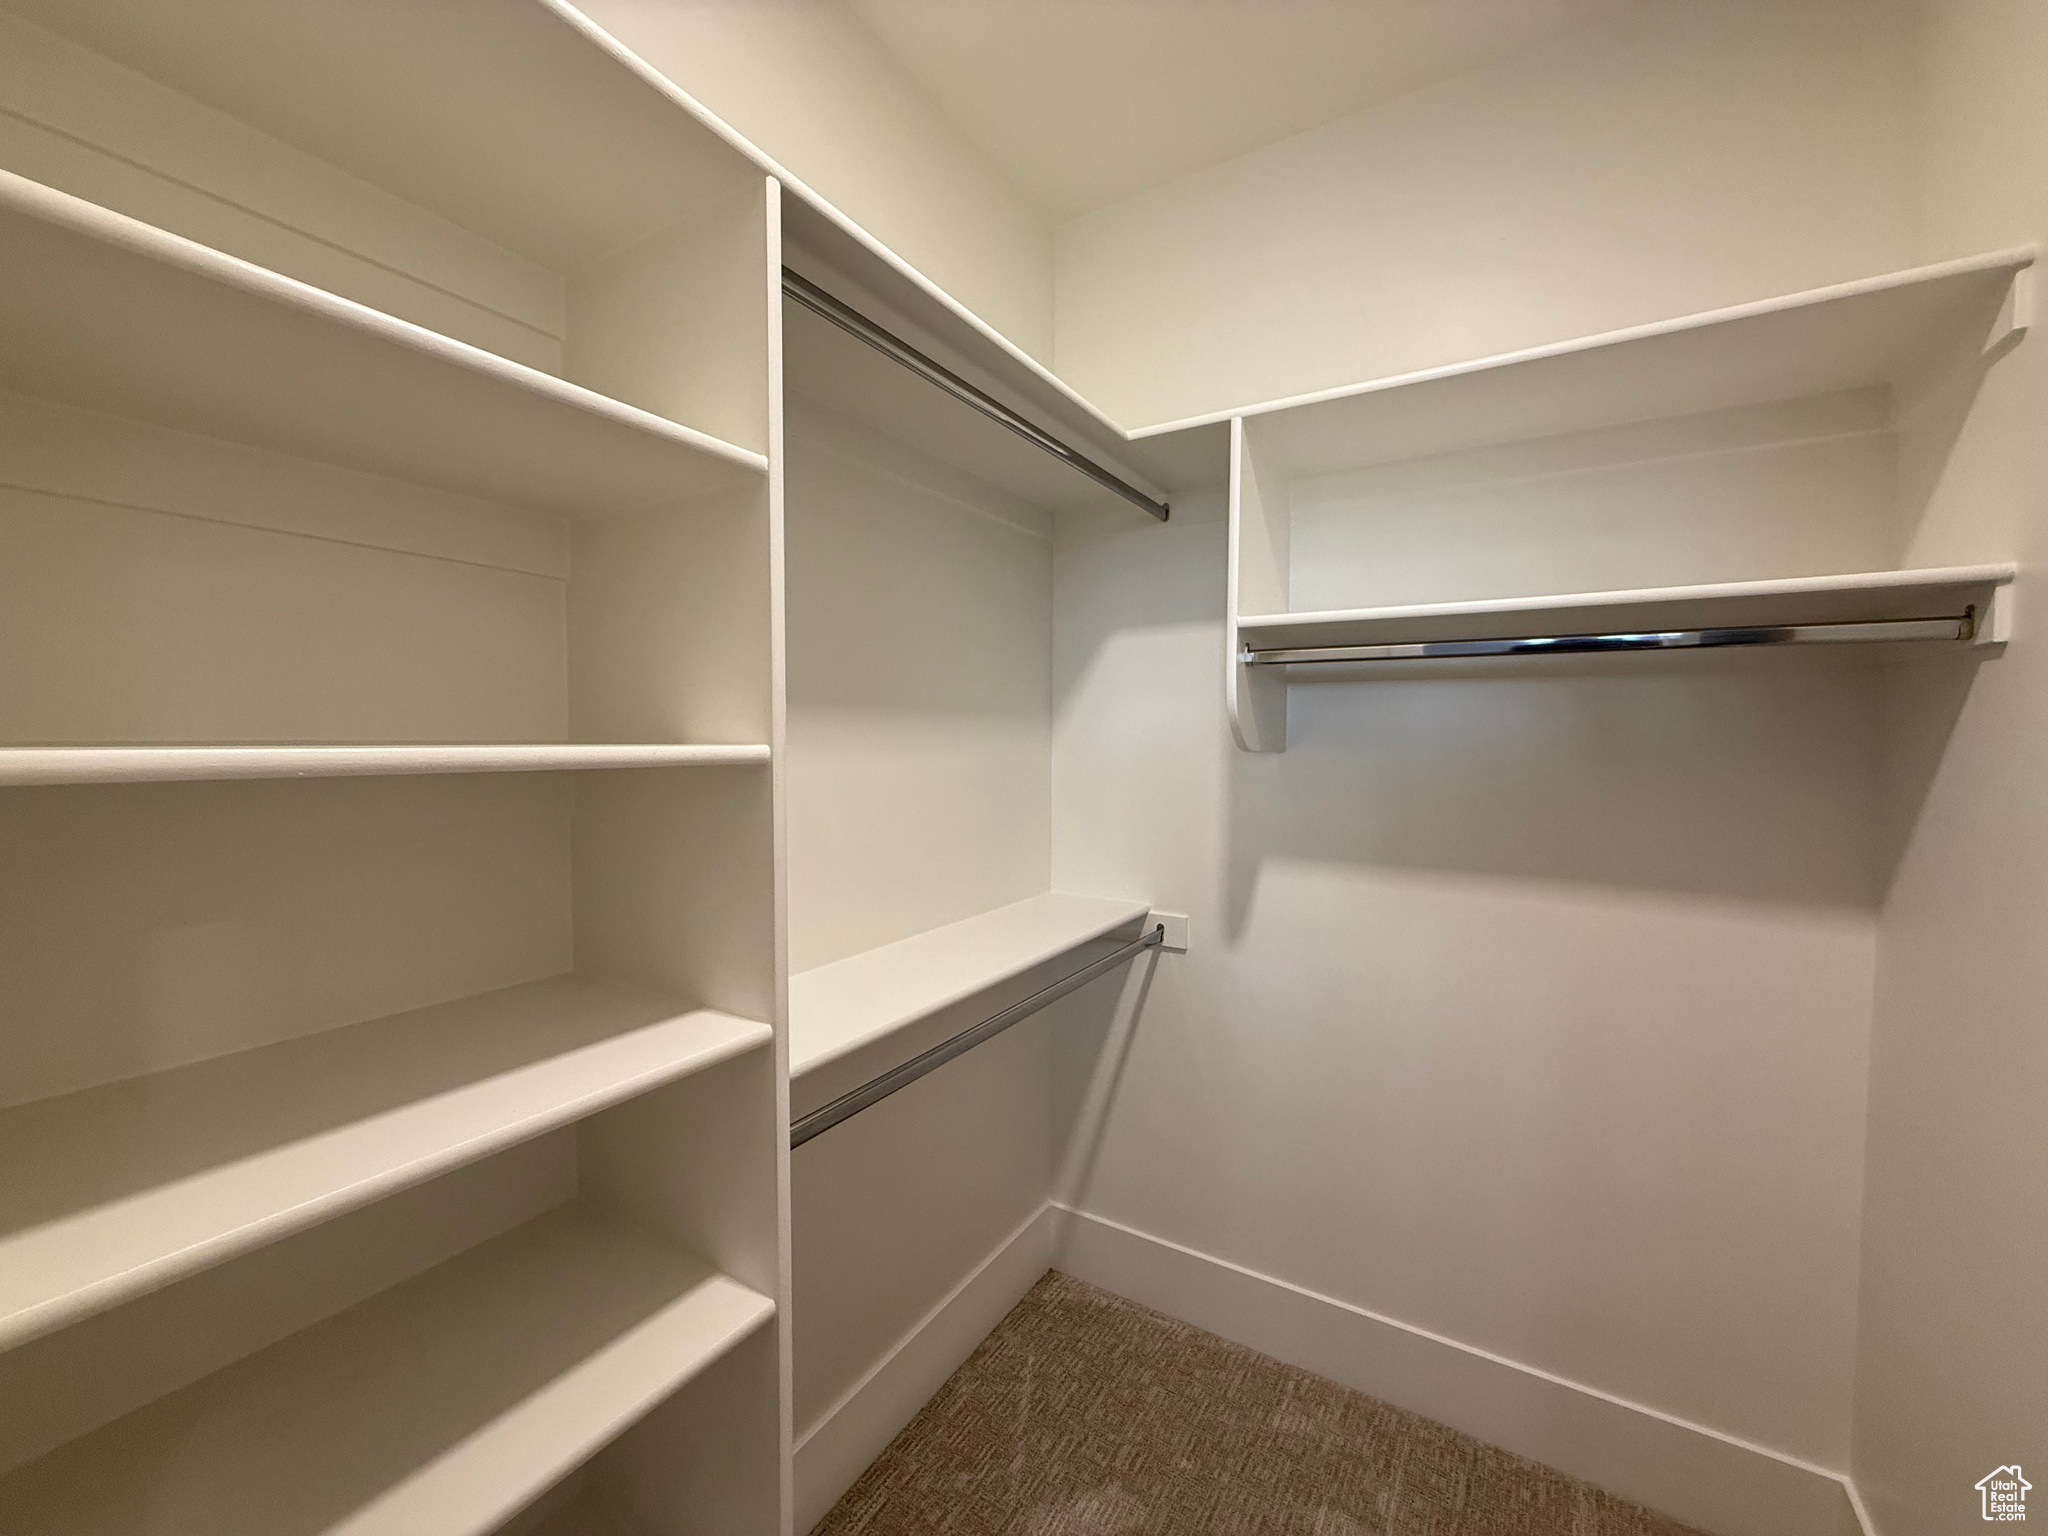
x=1084 y=102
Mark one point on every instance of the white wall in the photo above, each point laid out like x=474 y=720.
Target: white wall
x=1507 y=1015
x=1953 y=1361
x=1528 y=1007
x=808 y=84
x=1684 y=157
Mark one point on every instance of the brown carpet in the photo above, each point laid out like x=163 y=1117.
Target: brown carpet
x=1087 y=1415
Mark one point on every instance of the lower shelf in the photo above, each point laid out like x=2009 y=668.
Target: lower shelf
x=137 y=1183
x=444 y=1405
x=857 y=1017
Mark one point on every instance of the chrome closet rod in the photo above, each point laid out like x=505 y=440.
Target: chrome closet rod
x=1960 y=626
x=877 y=1089
x=894 y=347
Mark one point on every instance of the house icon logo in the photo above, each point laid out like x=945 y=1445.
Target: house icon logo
x=2005 y=1494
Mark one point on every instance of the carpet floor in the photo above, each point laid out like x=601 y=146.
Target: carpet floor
x=1087 y=1415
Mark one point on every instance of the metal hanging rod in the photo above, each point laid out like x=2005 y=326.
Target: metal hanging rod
x=1961 y=626
x=894 y=347
x=877 y=1089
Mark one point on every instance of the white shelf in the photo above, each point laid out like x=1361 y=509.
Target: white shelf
x=145 y=765
x=104 y=311
x=443 y=1405
x=839 y=1009
x=1873 y=595
x=623 y=152
x=1883 y=330
x=141 y=1182
x=453 y=128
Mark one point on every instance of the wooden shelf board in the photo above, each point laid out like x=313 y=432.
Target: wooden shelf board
x=843 y=1007
x=107 y=312
x=1792 y=600
x=444 y=1404
x=144 y=1181
x=160 y=764
x=1877 y=331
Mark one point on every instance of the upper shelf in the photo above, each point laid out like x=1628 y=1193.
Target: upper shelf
x=443 y=1405
x=1881 y=330
x=173 y=764
x=107 y=312
x=836 y=251
x=1874 y=596
x=846 y=376
x=622 y=151
x=839 y=1012
x=157 y=1177
x=824 y=364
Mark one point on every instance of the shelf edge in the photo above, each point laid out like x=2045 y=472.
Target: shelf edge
x=23 y=766
x=2010 y=260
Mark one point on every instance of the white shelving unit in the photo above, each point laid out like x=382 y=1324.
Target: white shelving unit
x=856 y=1018
x=445 y=1404
x=922 y=690
x=107 y=312
x=830 y=249
x=921 y=701
x=393 y=1079
x=143 y=1181
x=1318 y=482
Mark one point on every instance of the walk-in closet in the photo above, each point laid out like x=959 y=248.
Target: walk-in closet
x=894 y=766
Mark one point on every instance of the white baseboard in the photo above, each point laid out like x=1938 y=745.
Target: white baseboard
x=1694 y=1474
x=856 y=1429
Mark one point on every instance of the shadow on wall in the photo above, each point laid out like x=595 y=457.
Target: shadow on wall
x=1924 y=696
x=1752 y=778
x=1090 y=1035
